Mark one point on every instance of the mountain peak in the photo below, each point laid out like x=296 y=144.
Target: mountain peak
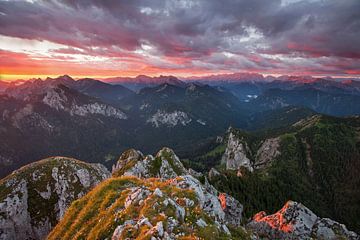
x=60 y=79
x=164 y=165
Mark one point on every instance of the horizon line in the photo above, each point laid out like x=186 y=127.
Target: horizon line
x=26 y=77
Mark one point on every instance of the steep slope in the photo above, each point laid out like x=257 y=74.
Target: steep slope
x=295 y=221
x=180 y=117
x=3 y=86
x=57 y=122
x=108 y=93
x=277 y=118
x=336 y=104
x=34 y=198
x=43 y=118
x=315 y=162
x=169 y=207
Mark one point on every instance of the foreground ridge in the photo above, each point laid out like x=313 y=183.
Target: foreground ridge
x=157 y=198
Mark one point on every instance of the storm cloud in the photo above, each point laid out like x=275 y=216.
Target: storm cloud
x=265 y=36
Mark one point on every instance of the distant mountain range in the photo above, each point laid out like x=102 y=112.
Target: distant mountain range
x=94 y=120
x=143 y=81
x=243 y=146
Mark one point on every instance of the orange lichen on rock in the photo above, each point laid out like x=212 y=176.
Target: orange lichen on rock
x=222 y=199
x=277 y=220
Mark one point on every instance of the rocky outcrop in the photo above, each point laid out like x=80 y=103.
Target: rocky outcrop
x=178 y=208
x=169 y=119
x=97 y=108
x=224 y=208
x=56 y=98
x=213 y=173
x=236 y=153
x=268 y=151
x=26 y=117
x=295 y=221
x=164 y=165
x=34 y=198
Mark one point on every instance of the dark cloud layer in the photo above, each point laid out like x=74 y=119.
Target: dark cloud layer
x=256 y=35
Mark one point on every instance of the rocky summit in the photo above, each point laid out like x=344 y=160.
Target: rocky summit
x=34 y=198
x=133 y=208
x=152 y=197
x=164 y=165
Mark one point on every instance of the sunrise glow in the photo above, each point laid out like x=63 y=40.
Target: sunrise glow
x=182 y=38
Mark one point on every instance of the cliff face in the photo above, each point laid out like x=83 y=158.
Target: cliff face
x=236 y=153
x=34 y=198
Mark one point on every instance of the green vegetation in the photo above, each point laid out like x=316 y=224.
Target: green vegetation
x=155 y=166
x=206 y=161
x=319 y=166
x=169 y=156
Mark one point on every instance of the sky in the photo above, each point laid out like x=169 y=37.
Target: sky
x=106 y=38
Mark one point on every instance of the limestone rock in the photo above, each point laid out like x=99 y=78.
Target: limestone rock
x=295 y=221
x=169 y=119
x=229 y=213
x=182 y=210
x=236 y=154
x=34 y=198
x=164 y=165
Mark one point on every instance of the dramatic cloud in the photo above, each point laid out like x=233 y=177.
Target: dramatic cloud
x=116 y=37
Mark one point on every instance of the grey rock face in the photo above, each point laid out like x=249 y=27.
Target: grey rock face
x=166 y=165
x=267 y=152
x=34 y=198
x=165 y=229
x=235 y=155
x=233 y=210
x=213 y=173
x=169 y=119
x=56 y=98
x=295 y=221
